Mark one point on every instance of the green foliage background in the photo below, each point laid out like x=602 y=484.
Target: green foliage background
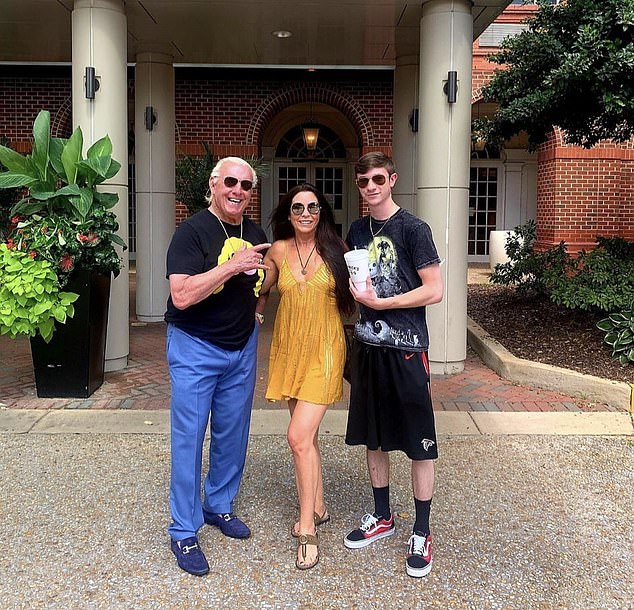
x=572 y=68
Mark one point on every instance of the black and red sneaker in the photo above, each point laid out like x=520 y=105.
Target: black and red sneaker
x=418 y=562
x=372 y=528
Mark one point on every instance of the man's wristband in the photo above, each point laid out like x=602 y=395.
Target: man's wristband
x=259 y=317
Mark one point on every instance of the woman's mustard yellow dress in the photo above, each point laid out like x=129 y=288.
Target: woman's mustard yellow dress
x=308 y=345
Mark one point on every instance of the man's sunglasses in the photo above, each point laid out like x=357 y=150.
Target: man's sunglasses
x=377 y=179
x=230 y=182
x=297 y=209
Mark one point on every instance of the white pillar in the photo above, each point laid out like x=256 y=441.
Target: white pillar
x=404 y=138
x=155 y=190
x=100 y=40
x=443 y=168
x=510 y=215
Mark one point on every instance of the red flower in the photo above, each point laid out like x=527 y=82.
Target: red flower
x=67 y=262
x=16 y=219
x=32 y=254
x=88 y=239
x=10 y=244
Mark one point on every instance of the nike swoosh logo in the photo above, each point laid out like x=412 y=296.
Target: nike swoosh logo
x=408 y=356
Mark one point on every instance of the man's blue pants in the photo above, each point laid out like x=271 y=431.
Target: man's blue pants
x=209 y=384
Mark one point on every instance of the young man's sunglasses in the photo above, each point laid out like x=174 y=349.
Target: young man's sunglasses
x=230 y=182
x=297 y=209
x=377 y=179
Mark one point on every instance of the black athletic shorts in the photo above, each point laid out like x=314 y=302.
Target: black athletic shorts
x=390 y=402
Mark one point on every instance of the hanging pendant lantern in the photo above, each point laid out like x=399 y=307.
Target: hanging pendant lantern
x=310 y=131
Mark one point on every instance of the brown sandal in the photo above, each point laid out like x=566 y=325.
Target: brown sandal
x=317 y=518
x=304 y=540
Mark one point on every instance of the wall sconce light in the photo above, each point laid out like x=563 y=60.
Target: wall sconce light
x=413 y=120
x=150 y=118
x=451 y=86
x=478 y=145
x=91 y=83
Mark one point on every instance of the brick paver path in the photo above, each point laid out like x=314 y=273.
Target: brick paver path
x=145 y=383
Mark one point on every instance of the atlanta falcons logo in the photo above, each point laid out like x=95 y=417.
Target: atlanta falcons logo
x=427 y=443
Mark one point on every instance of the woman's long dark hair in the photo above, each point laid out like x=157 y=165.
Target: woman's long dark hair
x=329 y=245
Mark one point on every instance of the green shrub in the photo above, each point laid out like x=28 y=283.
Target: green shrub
x=529 y=271
x=599 y=280
x=619 y=334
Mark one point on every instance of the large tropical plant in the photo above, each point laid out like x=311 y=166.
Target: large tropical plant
x=61 y=224
x=192 y=177
x=63 y=218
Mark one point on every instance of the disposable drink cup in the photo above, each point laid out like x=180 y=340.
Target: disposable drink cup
x=358 y=268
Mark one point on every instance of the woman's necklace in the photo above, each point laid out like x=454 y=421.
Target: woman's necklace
x=382 y=226
x=304 y=265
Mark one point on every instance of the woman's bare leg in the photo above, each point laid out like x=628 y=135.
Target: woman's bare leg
x=302 y=439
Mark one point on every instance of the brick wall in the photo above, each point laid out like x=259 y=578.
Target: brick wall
x=24 y=93
x=227 y=108
x=582 y=194
x=230 y=109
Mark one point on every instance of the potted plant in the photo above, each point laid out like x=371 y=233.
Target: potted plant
x=67 y=230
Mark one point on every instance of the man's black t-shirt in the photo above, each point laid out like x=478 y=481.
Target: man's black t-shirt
x=225 y=318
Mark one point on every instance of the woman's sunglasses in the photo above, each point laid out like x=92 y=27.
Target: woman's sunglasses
x=297 y=209
x=230 y=182
x=377 y=179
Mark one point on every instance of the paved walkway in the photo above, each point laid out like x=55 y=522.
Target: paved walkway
x=144 y=384
x=519 y=523
x=525 y=502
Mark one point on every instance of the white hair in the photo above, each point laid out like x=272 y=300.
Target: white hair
x=238 y=161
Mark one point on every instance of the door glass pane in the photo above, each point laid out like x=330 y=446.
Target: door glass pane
x=290 y=176
x=482 y=216
x=329 y=180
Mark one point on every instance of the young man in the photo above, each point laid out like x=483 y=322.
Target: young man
x=390 y=397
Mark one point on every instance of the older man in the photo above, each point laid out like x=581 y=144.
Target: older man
x=215 y=270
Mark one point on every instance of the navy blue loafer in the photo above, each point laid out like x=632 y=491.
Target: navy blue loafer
x=228 y=523
x=189 y=556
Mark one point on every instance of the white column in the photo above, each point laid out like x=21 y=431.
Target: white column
x=100 y=40
x=404 y=138
x=510 y=215
x=443 y=168
x=155 y=190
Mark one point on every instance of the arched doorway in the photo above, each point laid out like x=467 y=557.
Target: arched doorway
x=329 y=167
x=325 y=167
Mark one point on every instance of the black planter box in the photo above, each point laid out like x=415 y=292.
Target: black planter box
x=71 y=365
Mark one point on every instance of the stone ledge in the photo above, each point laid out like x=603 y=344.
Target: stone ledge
x=545 y=376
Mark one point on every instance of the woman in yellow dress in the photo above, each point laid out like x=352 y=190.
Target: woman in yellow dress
x=308 y=344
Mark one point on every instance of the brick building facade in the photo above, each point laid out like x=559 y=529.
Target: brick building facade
x=580 y=193
x=574 y=194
